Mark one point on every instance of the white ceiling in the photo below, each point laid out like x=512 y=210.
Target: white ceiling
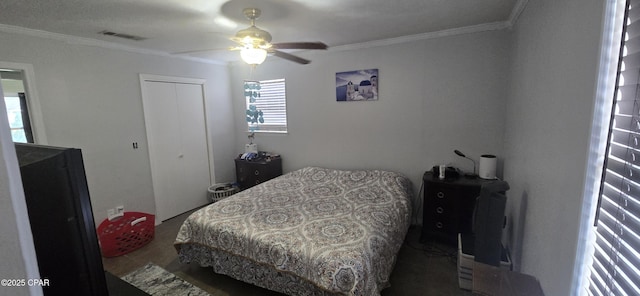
x=172 y=26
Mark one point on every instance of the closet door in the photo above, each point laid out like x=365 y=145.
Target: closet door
x=194 y=156
x=177 y=140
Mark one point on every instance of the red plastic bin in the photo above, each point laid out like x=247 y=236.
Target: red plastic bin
x=126 y=234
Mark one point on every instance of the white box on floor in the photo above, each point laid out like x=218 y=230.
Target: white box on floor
x=466 y=258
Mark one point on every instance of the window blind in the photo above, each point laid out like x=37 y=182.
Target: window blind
x=273 y=104
x=616 y=259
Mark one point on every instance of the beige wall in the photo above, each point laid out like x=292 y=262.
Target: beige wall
x=435 y=96
x=90 y=98
x=549 y=117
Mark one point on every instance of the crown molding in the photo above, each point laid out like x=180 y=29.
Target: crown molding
x=75 y=40
x=516 y=12
x=508 y=24
x=425 y=36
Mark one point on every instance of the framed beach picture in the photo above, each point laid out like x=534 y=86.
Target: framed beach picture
x=359 y=85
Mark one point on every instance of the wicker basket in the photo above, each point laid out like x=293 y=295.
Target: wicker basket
x=220 y=191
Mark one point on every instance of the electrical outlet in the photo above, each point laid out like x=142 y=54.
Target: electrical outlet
x=120 y=210
x=111 y=213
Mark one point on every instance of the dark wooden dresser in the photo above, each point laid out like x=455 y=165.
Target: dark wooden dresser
x=448 y=207
x=253 y=172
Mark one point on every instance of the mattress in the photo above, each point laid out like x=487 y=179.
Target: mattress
x=314 y=231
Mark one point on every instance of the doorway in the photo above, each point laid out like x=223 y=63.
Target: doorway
x=15 y=101
x=21 y=101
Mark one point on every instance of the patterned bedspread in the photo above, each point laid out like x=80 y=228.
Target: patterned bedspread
x=313 y=231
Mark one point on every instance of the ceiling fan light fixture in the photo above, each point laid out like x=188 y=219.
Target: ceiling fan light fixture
x=253 y=56
x=254 y=43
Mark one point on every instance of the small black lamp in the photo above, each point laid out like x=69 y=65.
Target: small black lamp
x=468 y=175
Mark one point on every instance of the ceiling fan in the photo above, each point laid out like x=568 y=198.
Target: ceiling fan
x=254 y=43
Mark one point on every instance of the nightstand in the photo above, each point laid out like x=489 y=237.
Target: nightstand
x=253 y=172
x=448 y=207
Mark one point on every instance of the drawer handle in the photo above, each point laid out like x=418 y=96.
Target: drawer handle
x=257 y=172
x=439 y=225
x=439 y=210
x=440 y=194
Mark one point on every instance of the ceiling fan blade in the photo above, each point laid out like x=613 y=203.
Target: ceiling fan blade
x=290 y=57
x=299 y=45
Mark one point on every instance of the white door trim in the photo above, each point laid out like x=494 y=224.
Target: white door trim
x=33 y=101
x=171 y=79
x=16 y=217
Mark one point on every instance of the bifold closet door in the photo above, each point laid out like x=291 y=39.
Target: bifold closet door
x=177 y=140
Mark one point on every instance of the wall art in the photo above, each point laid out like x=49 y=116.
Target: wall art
x=359 y=85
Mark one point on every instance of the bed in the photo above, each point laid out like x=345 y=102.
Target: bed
x=314 y=231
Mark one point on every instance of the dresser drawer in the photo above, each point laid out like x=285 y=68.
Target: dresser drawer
x=441 y=196
x=448 y=207
x=251 y=173
x=441 y=216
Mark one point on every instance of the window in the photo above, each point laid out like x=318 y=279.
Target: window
x=18 y=118
x=615 y=267
x=266 y=105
